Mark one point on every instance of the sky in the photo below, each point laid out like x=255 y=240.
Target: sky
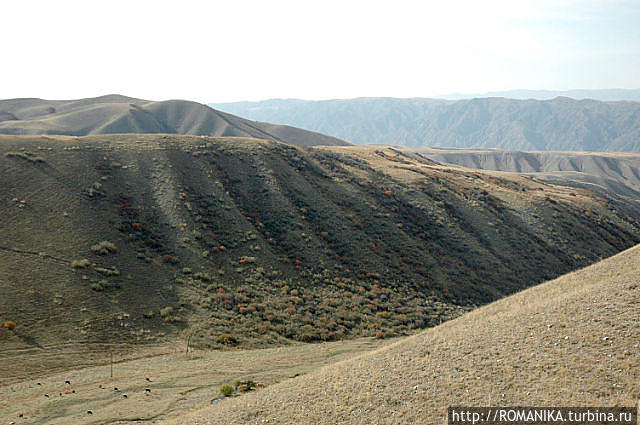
x=221 y=51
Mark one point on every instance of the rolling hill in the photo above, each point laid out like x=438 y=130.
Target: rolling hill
x=119 y=114
x=132 y=239
x=560 y=124
x=572 y=341
x=602 y=172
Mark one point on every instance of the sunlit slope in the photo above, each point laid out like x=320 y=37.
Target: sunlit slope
x=573 y=341
x=119 y=114
x=615 y=172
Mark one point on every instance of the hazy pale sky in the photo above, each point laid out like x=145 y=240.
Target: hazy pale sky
x=216 y=51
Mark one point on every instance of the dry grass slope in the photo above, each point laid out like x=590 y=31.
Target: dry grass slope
x=176 y=381
x=570 y=341
x=616 y=172
x=113 y=114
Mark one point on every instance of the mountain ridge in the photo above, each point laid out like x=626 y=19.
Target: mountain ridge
x=558 y=124
x=111 y=114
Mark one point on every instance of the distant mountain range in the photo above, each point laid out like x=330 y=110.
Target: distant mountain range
x=603 y=94
x=600 y=172
x=561 y=123
x=120 y=114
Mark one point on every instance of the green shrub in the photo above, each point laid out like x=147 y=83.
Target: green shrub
x=104 y=248
x=226 y=390
x=98 y=287
x=113 y=271
x=166 y=312
x=80 y=264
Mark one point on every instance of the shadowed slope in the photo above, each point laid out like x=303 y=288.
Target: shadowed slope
x=119 y=114
x=571 y=341
x=136 y=238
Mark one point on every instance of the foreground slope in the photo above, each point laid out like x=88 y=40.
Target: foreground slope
x=120 y=114
x=131 y=239
x=573 y=341
x=557 y=124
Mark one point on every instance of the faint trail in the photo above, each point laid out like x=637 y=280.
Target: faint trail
x=39 y=254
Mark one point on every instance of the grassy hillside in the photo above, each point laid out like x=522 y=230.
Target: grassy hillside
x=240 y=242
x=119 y=114
x=569 y=342
x=557 y=124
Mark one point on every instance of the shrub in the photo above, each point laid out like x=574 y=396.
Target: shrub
x=166 y=312
x=79 y=264
x=113 y=271
x=170 y=259
x=104 y=248
x=226 y=390
x=10 y=325
x=25 y=155
x=227 y=339
x=244 y=386
x=98 y=287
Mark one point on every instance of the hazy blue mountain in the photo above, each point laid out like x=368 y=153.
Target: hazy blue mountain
x=558 y=124
x=602 y=94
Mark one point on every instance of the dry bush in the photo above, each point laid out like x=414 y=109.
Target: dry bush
x=227 y=339
x=9 y=325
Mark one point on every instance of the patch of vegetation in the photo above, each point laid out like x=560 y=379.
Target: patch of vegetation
x=10 y=325
x=97 y=286
x=104 y=248
x=104 y=285
x=111 y=271
x=226 y=390
x=28 y=156
x=80 y=264
x=168 y=315
x=227 y=339
x=245 y=386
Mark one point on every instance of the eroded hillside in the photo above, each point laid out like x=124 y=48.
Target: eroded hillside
x=132 y=238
